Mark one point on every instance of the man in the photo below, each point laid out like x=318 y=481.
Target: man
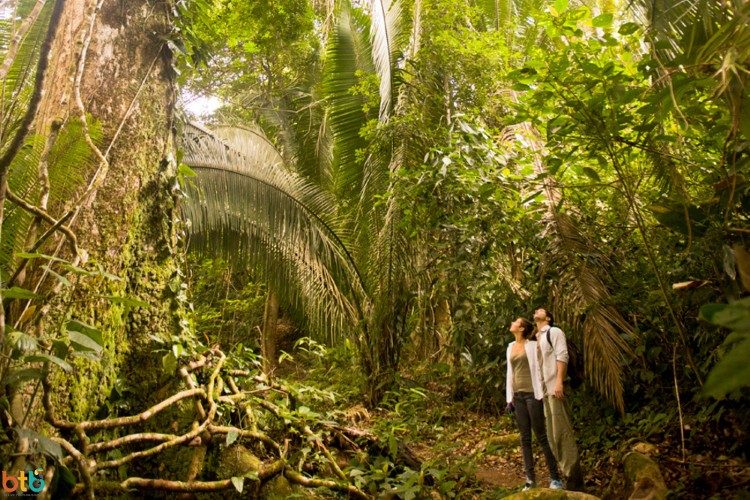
x=552 y=351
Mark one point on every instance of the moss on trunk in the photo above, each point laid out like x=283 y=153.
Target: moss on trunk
x=127 y=225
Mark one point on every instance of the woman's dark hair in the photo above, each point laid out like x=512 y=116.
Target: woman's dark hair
x=528 y=328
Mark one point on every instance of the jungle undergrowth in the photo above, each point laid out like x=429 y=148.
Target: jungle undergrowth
x=471 y=451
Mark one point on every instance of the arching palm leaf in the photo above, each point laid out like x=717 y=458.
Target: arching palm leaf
x=246 y=203
x=387 y=37
x=584 y=302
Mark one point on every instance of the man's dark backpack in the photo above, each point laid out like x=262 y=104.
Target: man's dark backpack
x=575 y=362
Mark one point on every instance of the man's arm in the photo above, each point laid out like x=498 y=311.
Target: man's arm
x=560 y=346
x=562 y=369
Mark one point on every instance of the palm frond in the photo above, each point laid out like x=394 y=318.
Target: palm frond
x=416 y=30
x=70 y=159
x=306 y=136
x=682 y=28
x=583 y=300
x=347 y=54
x=14 y=28
x=66 y=158
x=246 y=203
x=18 y=66
x=22 y=180
x=386 y=33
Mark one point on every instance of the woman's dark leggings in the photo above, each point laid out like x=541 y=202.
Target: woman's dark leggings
x=530 y=415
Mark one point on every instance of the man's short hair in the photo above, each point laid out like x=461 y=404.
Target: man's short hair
x=550 y=317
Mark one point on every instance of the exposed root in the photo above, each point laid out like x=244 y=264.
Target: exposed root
x=208 y=429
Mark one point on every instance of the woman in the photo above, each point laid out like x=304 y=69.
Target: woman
x=524 y=394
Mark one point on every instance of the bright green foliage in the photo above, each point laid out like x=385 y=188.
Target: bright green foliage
x=326 y=235
x=263 y=50
x=66 y=161
x=18 y=80
x=244 y=204
x=732 y=372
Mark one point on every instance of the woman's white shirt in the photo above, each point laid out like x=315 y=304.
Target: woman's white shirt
x=536 y=376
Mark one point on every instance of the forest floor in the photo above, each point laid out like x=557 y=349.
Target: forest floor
x=476 y=453
x=483 y=448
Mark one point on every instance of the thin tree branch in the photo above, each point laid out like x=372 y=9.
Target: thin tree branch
x=83 y=465
x=298 y=478
x=45 y=217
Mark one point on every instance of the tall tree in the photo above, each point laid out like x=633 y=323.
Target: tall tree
x=97 y=133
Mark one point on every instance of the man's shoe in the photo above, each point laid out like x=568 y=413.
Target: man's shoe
x=528 y=485
x=556 y=484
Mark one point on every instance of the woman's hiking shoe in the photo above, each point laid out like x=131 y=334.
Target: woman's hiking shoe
x=556 y=484
x=529 y=485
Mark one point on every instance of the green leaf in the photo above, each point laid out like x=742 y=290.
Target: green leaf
x=602 y=21
x=51 y=448
x=83 y=341
x=17 y=377
x=735 y=315
x=520 y=87
x=744 y=119
x=64 y=365
x=169 y=363
x=591 y=174
x=60 y=348
x=628 y=28
x=232 y=436
x=126 y=301
x=238 y=483
x=65 y=475
x=185 y=171
x=559 y=7
x=87 y=330
x=62 y=279
x=22 y=341
x=732 y=372
x=46 y=445
x=392 y=445
x=26 y=255
x=729 y=262
x=19 y=293
x=447 y=486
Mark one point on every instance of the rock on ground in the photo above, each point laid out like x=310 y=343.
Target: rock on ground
x=547 y=494
x=643 y=478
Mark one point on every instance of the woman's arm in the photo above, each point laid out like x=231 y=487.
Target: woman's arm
x=509 y=376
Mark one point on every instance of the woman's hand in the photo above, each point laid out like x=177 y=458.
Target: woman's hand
x=510 y=408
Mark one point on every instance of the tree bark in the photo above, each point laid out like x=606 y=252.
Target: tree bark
x=270 y=334
x=121 y=209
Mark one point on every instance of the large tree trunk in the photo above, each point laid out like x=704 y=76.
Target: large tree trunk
x=124 y=219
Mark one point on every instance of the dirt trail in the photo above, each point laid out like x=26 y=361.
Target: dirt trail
x=489 y=442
